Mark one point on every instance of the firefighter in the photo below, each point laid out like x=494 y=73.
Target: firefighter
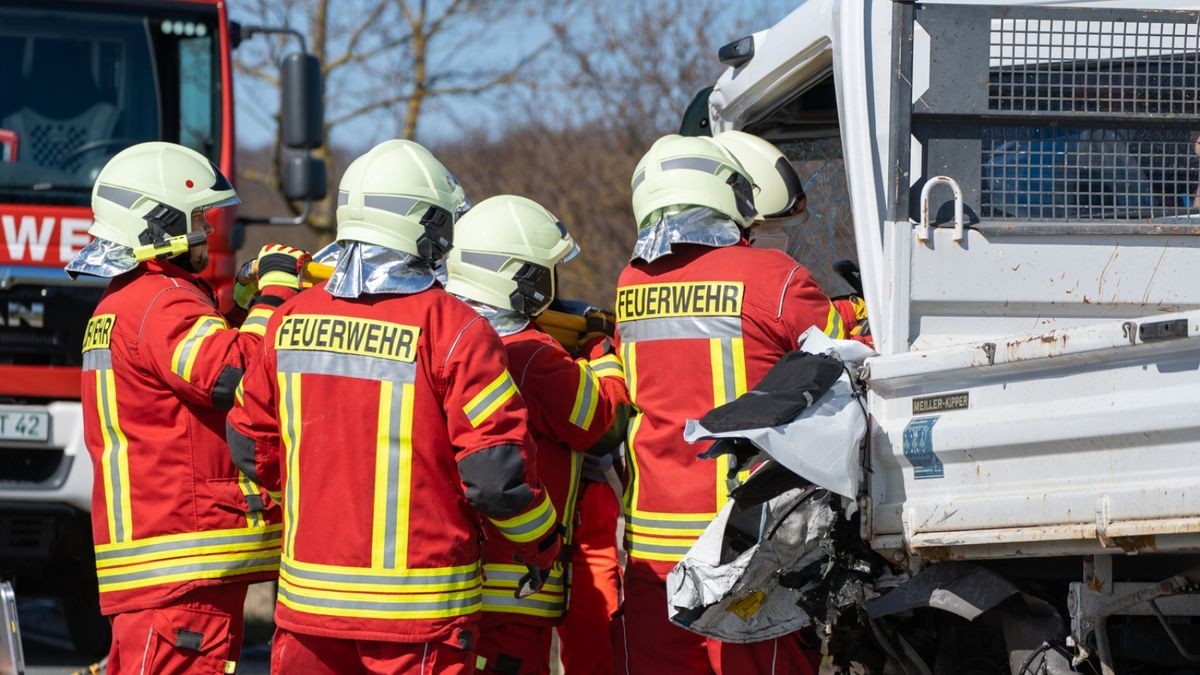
x=504 y=266
x=701 y=317
x=179 y=531
x=383 y=411
x=778 y=198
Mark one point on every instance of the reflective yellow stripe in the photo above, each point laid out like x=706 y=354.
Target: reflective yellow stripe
x=380 y=605
x=189 y=347
x=568 y=516
x=369 y=580
x=833 y=324
x=393 y=475
x=628 y=358
x=249 y=489
x=114 y=460
x=289 y=423
x=532 y=525
x=256 y=321
x=587 y=396
x=669 y=524
x=239 y=393
x=631 y=495
x=492 y=397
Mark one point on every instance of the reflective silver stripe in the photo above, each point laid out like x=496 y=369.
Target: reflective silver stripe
x=265 y=537
x=541 y=521
x=380 y=578
x=210 y=324
x=291 y=461
x=488 y=261
x=638 y=521
x=638 y=179
x=216 y=566
x=114 y=456
x=507 y=600
x=471 y=600
x=390 y=203
x=730 y=392
x=312 y=362
x=97 y=359
x=116 y=195
x=515 y=576
x=605 y=366
x=682 y=549
x=837 y=326
x=588 y=393
x=343 y=198
x=502 y=390
x=255 y=321
x=393 y=478
x=693 y=163
x=680 y=328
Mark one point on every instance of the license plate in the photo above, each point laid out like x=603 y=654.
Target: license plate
x=24 y=425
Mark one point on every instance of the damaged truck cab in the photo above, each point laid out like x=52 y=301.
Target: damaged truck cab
x=1019 y=183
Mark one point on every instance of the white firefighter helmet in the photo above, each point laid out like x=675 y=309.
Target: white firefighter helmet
x=682 y=171
x=778 y=193
x=505 y=250
x=400 y=196
x=148 y=193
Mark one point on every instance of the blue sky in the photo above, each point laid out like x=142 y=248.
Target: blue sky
x=450 y=118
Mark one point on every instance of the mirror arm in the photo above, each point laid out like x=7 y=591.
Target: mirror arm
x=251 y=31
x=279 y=220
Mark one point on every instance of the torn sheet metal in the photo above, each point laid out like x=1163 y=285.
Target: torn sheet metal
x=744 y=599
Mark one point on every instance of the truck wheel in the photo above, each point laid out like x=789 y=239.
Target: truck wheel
x=88 y=628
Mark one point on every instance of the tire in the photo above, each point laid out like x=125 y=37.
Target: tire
x=89 y=630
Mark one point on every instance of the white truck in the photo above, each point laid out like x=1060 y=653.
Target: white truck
x=1019 y=183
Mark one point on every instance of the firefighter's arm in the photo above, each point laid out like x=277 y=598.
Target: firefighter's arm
x=578 y=401
x=252 y=429
x=803 y=304
x=193 y=349
x=486 y=417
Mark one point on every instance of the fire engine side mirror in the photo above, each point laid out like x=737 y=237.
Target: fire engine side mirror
x=304 y=177
x=301 y=108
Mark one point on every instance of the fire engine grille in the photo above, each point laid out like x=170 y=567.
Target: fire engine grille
x=1114 y=67
x=25 y=534
x=28 y=466
x=1056 y=173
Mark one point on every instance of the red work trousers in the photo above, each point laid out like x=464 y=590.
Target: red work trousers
x=508 y=647
x=200 y=632
x=294 y=653
x=649 y=644
x=585 y=638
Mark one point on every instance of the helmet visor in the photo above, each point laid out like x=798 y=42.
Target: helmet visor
x=574 y=252
x=795 y=190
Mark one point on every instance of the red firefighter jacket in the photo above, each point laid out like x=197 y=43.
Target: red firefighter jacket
x=572 y=403
x=389 y=422
x=697 y=329
x=170 y=512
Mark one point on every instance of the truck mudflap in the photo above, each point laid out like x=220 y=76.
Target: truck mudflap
x=1077 y=441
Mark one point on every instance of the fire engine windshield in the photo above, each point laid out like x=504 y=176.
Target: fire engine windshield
x=78 y=85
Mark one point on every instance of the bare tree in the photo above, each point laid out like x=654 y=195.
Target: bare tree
x=385 y=62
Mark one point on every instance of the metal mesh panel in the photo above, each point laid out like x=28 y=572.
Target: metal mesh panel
x=1122 y=67
x=1057 y=173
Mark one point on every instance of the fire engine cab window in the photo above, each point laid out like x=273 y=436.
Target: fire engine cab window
x=78 y=86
